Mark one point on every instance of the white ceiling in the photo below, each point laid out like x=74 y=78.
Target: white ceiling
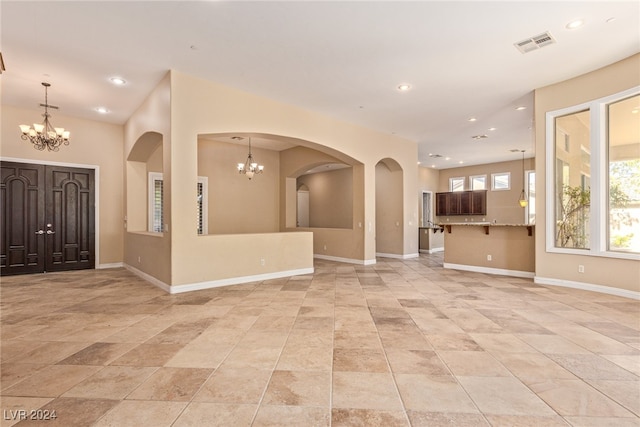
x=343 y=59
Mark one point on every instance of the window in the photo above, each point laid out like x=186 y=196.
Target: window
x=593 y=177
x=456 y=184
x=572 y=190
x=501 y=181
x=156 y=201
x=478 y=182
x=624 y=175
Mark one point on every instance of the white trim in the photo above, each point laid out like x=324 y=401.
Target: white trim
x=488 y=270
x=96 y=193
x=159 y=283
x=347 y=260
x=397 y=256
x=587 y=287
x=178 y=289
x=431 y=251
x=110 y=265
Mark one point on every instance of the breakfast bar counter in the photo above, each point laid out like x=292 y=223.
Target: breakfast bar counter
x=507 y=249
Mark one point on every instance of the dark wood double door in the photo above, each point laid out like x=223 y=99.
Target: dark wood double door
x=48 y=218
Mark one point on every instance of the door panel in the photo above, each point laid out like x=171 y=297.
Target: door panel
x=48 y=218
x=70 y=218
x=22 y=198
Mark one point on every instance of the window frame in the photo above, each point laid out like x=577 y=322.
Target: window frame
x=452 y=179
x=477 y=176
x=493 y=181
x=153 y=177
x=599 y=177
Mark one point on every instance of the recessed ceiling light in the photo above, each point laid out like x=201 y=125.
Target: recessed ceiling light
x=480 y=136
x=433 y=166
x=447 y=158
x=461 y=162
x=102 y=110
x=574 y=24
x=404 y=87
x=419 y=162
x=492 y=129
x=472 y=119
x=636 y=110
x=521 y=107
x=608 y=21
x=119 y=81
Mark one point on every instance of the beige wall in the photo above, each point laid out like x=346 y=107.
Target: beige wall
x=502 y=206
x=92 y=144
x=346 y=243
x=237 y=204
x=618 y=273
x=202 y=107
x=389 y=216
x=330 y=198
x=149 y=253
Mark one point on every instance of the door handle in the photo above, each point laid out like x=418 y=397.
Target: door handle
x=39 y=232
x=51 y=232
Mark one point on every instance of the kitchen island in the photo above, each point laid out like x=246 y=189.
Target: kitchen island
x=506 y=249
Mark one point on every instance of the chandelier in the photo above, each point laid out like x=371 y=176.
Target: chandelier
x=523 y=200
x=250 y=167
x=45 y=135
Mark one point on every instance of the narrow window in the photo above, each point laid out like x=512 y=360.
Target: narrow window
x=624 y=175
x=572 y=182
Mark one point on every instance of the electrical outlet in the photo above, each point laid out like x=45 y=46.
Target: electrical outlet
x=325 y=247
x=488 y=257
x=139 y=260
x=262 y=262
x=580 y=268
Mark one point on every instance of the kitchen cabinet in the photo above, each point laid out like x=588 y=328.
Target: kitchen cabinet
x=461 y=203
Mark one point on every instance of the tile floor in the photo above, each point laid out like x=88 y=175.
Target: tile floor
x=395 y=344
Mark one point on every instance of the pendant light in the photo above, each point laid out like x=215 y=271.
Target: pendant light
x=523 y=200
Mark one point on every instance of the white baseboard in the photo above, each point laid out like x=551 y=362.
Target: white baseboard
x=149 y=278
x=346 y=260
x=488 y=270
x=431 y=251
x=396 y=256
x=177 y=289
x=587 y=287
x=111 y=265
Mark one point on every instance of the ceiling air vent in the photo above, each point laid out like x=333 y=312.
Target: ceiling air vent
x=535 y=42
x=435 y=156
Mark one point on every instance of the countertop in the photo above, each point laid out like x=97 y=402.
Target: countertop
x=485 y=224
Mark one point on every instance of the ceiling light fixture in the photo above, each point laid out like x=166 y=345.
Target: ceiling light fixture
x=45 y=135
x=520 y=108
x=118 y=81
x=102 y=110
x=523 y=200
x=574 y=24
x=404 y=87
x=492 y=129
x=250 y=167
x=479 y=137
x=472 y=119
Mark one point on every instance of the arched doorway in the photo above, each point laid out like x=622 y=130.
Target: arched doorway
x=389 y=209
